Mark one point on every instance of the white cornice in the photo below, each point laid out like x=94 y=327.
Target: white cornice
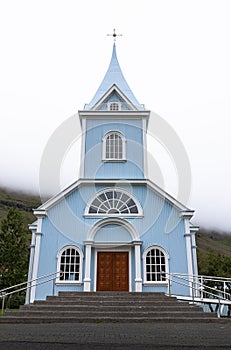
x=187 y=214
x=113 y=114
x=40 y=212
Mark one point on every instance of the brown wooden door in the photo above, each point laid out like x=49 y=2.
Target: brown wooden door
x=112 y=271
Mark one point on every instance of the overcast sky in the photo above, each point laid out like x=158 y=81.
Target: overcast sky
x=176 y=57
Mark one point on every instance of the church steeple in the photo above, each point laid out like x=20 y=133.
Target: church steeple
x=114 y=76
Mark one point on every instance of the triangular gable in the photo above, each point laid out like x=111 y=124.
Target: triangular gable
x=60 y=196
x=114 y=90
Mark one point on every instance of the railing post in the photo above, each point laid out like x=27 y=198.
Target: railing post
x=193 y=290
x=3 y=303
x=219 y=308
x=169 y=285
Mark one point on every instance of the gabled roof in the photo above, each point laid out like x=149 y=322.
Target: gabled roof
x=159 y=191
x=114 y=76
x=114 y=89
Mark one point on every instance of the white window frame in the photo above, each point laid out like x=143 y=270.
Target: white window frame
x=166 y=256
x=114 y=102
x=113 y=159
x=139 y=207
x=70 y=282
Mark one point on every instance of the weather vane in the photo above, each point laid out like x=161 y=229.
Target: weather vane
x=114 y=35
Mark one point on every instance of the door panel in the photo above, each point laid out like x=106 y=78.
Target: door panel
x=112 y=271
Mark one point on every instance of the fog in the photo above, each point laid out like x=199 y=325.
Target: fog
x=176 y=57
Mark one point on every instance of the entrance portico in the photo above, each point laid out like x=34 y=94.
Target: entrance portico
x=112 y=257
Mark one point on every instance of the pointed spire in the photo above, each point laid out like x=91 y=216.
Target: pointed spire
x=114 y=76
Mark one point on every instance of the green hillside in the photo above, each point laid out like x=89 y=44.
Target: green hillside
x=219 y=242
x=24 y=202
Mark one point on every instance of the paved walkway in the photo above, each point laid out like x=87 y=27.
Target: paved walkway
x=115 y=336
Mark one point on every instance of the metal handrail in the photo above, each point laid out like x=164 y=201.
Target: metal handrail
x=29 y=285
x=202 y=285
x=191 y=285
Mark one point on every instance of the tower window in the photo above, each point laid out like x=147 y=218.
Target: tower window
x=114 y=106
x=114 y=147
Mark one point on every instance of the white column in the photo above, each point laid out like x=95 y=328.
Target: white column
x=32 y=249
x=189 y=252
x=145 y=156
x=87 y=278
x=38 y=236
x=83 y=140
x=138 y=279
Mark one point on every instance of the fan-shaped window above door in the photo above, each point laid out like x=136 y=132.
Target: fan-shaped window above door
x=114 y=202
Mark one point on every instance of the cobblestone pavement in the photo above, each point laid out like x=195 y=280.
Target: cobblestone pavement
x=115 y=336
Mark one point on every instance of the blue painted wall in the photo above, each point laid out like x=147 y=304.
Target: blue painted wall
x=95 y=168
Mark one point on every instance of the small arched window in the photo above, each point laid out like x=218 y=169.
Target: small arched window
x=114 y=106
x=155 y=265
x=70 y=264
x=114 y=146
x=114 y=202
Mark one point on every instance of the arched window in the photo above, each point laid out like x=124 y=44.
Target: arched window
x=114 y=146
x=114 y=202
x=155 y=265
x=70 y=264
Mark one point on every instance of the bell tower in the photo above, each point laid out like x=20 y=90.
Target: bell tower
x=114 y=126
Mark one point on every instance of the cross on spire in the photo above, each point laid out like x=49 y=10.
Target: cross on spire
x=114 y=35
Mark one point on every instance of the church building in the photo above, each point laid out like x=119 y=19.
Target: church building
x=113 y=229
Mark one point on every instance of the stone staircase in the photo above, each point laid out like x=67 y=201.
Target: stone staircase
x=108 y=307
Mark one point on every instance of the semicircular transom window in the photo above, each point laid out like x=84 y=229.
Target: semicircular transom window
x=113 y=202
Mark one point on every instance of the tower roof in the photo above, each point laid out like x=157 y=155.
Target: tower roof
x=114 y=76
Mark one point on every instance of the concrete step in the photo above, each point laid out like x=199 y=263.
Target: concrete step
x=112 y=314
x=64 y=301
x=109 y=308
x=86 y=319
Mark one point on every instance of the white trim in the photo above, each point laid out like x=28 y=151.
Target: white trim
x=138 y=279
x=187 y=214
x=87 y=278
x=139 y=207
x=40 y=213
x=189 y=250
x=37 y=243
x=83 y=146
x=114 y=115
x=31 y=263
x=108 y=221
x=59 y=254
x=193 y=231
x=114 y=249
x=145 y=158
x=166 y=255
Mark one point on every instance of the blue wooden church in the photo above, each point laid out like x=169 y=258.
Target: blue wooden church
x=113 y=229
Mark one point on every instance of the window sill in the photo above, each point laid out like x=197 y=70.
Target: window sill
x=138 y=216
x=161 y=283
x=114 y=160
x=69 y=283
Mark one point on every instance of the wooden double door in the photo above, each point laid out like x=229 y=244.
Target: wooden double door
x=112 y=271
